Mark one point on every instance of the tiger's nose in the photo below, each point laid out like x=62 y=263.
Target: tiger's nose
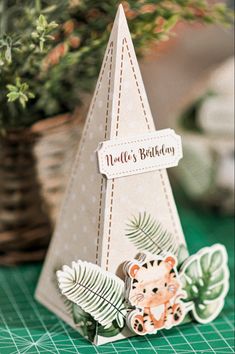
x=155 y=290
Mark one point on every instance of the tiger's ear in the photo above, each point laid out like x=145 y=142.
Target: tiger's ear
x=171 y=261
x=134 y=267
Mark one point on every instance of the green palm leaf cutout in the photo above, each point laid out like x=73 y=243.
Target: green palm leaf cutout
x=205 y=278
x=99 y=293
x=149 y=235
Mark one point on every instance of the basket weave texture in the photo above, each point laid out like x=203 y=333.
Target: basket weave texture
x=35 y=164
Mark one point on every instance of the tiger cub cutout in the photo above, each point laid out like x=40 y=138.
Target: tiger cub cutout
x=154 y=289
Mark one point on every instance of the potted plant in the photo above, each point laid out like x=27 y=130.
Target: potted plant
x=50 y=54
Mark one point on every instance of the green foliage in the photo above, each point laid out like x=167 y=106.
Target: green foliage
x=188 y=119
x=149 y=235
x=205 y=279
x=58 y=63
x=84 y=322
x=7 y=43
x=89 y=328
x=111 y=331
x=43 y=30
x=99 y=293
x=19 y=91
x=182 y=255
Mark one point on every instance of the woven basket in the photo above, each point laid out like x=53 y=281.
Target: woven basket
x=34 y=168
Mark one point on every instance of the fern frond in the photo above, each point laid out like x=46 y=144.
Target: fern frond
x=99 y=293
x=149 y=235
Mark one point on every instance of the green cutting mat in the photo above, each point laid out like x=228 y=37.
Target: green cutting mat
x=27 y=327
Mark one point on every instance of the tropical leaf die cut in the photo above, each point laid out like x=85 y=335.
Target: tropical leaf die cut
x=205 y=278
x=149 y=235
x=99 y=293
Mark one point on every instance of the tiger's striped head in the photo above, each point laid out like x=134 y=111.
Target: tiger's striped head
x=152 y=283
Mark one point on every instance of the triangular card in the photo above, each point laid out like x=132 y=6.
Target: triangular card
x=103 y=214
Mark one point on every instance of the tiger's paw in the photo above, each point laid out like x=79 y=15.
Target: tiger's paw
x=136 y=323
x=177 y=313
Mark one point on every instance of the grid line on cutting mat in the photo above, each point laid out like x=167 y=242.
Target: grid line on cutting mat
x=27 y=327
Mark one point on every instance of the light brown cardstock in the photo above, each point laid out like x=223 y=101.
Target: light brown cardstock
x=92 y=222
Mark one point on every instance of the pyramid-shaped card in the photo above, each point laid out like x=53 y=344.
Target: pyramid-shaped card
x=118 y=204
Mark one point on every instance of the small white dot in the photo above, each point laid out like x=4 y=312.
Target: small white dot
x=73 y=196
x=130 y=107
x=131 y=125
x=126 y=85
x=123 y=198
x=100 y=104
x=101 y=128
x=83 y=187
x=139 y=189
x=106 y=212
x=83 y=208
x=92 y=158
x=93 y=199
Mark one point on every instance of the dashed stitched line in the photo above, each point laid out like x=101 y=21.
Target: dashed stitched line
x=117 y=126
x=77 y=159
x=137 y=84
x=105 y=136
x=150 y=137
x=116 y=133
x=145 y=115
x=120 y=89
x=99 y=220
x=169 y=206
x=140 y=170
x=110 y=226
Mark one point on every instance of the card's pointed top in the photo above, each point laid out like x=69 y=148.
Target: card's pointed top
x=120 y=12
x=120 y=23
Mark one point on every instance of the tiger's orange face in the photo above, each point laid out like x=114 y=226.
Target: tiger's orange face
x=153 y=283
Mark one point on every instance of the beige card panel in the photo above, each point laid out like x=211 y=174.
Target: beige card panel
x=80 y=217
x=127 y=196
x=126 y=201
x=131 y=114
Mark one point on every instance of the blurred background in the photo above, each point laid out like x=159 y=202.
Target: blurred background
x=190 y=86
x=50 y=56
x=171 y=73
